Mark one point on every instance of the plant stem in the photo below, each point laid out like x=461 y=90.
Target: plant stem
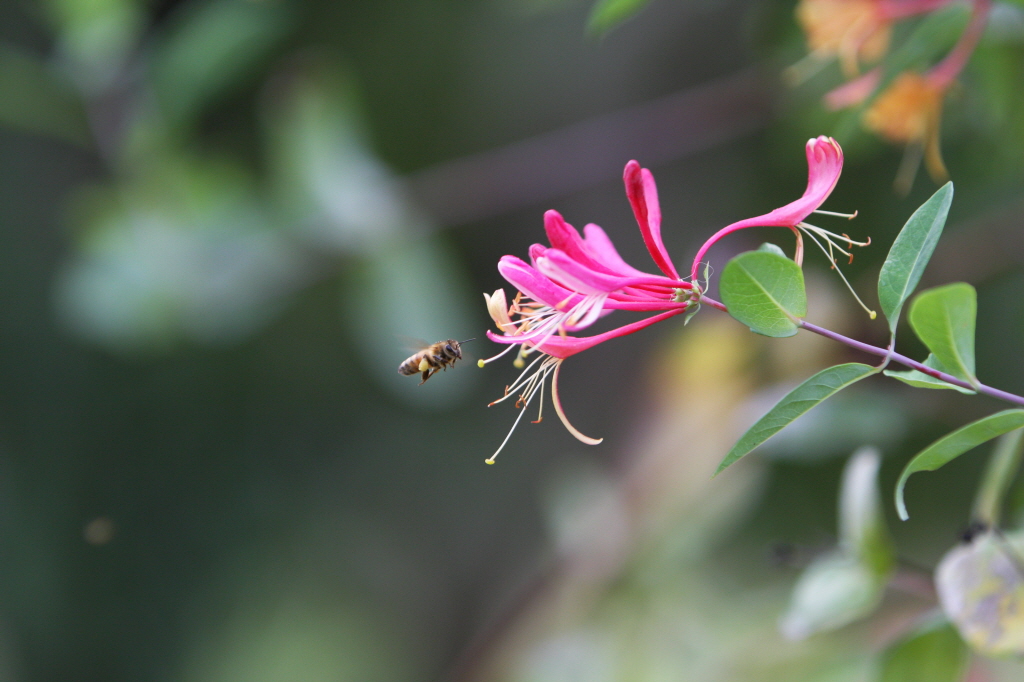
x=896 y=357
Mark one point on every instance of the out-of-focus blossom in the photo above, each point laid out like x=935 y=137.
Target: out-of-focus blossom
x=850 y=30
x=908 y=112
x=571 y=284
x=824 y=165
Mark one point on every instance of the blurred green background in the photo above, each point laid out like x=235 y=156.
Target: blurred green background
x=220 y=220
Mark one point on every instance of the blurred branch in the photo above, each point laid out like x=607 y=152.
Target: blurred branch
x=595 y=150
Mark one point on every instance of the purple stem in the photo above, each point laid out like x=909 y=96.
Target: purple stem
x=902 y=359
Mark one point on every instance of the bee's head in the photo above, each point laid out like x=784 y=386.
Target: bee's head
x=451 y=347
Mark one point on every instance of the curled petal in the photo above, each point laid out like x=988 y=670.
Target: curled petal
x=528 y=280
x=536 y=251
x=497 y=306
x=824 y=165
x=561 y=413
x=643 y=196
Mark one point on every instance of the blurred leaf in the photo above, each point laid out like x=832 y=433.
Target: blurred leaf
x=981 y=589
x=184 y=251
x=764 y=291
x=922 y=380
x=862 y=530
x=910 y=253
x=213 y=48
x=999 y=474
x=847 y=584
x=96 y=38
x=825 y=383
x=1005 y=22
x=932 y=652
x=339 y=196
x=36 y=99
x=952 y=445
x=943 y=318
x=833 y=591
x=607 y=14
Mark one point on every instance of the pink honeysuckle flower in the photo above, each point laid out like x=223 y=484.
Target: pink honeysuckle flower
x=824 y=165
x=570 y=285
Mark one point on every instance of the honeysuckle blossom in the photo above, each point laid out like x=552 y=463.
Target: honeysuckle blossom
x=908 y=110
x=824 y=165
x=852 y=31
x=570 y=285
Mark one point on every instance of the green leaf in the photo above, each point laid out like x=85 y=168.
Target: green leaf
x=862 y=529
x=943 y=319
x=834 y=590
x=768 y=247
x=952 y=445
x=999 y=474
x=981 y=588
x=764 y=291
x=910 y=253
x=213 y=49
x=932 y=652
x=922 y=380
x=800 y=400
x=607 y=14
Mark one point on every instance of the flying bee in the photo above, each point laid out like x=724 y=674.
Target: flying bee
x=440 y=355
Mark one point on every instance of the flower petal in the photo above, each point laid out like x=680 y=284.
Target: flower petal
x=561 y=413
x=643 y=196
x=574 y=275
x=528 y=280
x=564 y=237
x=601 y=249
x=824 y=165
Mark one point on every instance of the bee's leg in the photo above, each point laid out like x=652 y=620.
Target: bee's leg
x=426 y=375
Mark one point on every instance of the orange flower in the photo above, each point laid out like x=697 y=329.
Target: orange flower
x=852 y=30
x=908 y=112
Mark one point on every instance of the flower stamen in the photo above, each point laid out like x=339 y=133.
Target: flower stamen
x=535 y=382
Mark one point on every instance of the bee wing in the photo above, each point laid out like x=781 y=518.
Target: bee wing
x=411 y=343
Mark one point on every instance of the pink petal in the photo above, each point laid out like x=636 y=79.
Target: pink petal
x=643 y=196
x=573 y=275
x=824 y=164
x=528 y=280
x=557 y=401
x=564 y=237
x=601 y=249
x=536 y=251
x=578 y=277
x=853 y=92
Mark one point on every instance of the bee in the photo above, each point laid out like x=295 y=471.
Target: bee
x=440 y=355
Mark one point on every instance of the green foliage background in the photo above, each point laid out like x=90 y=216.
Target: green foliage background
x=219 y=217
